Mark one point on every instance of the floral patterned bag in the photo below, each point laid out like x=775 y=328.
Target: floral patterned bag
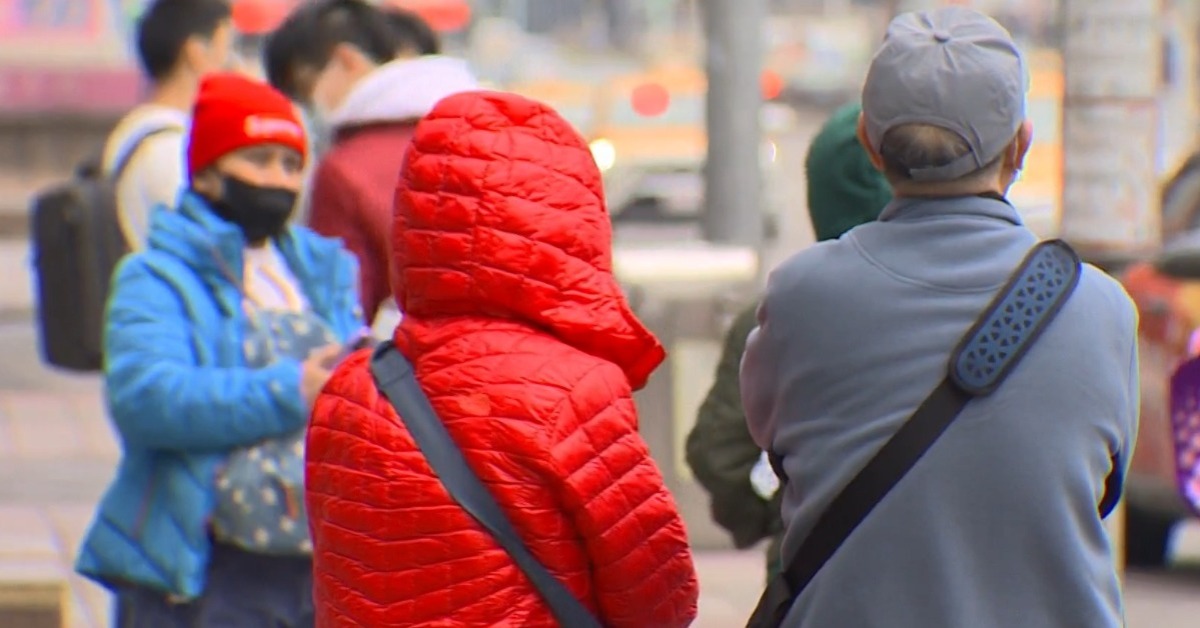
x=260 y=490
x=1185 y=428
x=261 y=505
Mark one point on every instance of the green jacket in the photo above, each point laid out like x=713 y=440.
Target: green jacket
x=844 y=191
x=721 y=453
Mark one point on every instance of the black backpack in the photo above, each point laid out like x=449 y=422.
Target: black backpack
x=77 y=242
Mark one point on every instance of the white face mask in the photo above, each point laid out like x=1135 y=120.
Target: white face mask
x=247 y=65
x=317 y=114
x=318 y=129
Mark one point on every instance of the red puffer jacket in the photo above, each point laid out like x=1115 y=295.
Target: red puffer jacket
x=528 y=351
x=352 y=200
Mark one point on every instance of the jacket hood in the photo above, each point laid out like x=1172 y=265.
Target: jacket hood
x=844 y=189
x=197 y=237
x=403 y=90
x=214 y=250
x=500 y=213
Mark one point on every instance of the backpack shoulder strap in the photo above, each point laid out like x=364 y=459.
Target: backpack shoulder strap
x=394 y=377
x=987 y=354
x=125 y=159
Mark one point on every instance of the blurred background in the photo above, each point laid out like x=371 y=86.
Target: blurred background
x=1113 y=99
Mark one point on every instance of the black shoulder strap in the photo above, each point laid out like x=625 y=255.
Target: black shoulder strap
x=986 y=355
x=394 y=377
x=127 y=157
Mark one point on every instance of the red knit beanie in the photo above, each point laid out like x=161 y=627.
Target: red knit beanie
x=234 y=111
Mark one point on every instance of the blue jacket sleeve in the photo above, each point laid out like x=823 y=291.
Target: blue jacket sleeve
x=160 y=398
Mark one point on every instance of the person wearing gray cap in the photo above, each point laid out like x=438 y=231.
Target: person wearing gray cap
x=994 y=517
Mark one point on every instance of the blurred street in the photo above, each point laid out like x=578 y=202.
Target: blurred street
x=57 y=453
x=595 y=63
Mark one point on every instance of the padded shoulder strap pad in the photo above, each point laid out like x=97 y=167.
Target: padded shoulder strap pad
x=1015 y=318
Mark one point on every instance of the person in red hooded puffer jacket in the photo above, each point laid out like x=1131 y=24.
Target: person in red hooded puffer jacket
x=524 y=343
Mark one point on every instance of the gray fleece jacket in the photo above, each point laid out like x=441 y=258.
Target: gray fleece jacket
x=998 y=525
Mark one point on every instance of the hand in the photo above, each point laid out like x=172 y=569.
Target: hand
x=316 y=369
x=763 y=479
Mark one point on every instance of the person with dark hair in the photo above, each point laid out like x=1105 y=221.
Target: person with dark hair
x=217 y=338
x=369 y=73
x=178 y=43
x=305 y=42
x=411 y=28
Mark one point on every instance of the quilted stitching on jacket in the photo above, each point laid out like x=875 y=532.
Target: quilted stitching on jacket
x=529 y=353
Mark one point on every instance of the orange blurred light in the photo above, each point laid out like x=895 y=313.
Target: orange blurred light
x=442 y=15
x=257 y=17
x=772 y=85
x=650 y=99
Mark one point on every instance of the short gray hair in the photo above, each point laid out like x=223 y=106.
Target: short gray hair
x=916 y=146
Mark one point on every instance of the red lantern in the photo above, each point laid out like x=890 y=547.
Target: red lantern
x=772 y=85
x=258 y=17
x=650 y=99
x=442 y=15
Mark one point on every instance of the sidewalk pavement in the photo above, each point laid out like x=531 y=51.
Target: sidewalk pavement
x=56 y=453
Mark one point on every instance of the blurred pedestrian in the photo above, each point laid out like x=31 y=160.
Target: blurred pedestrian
x=999 y=522
x=219 y=336
x=178 y=43
x=844 y=191
x=523 y=341
x=369 y=74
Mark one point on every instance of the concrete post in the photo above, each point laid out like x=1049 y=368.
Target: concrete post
x=733 y=177
x=1112 y=53
x=1181 y=100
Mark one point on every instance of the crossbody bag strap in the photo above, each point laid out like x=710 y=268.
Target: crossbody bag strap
x=986 y=355
x=394 y=377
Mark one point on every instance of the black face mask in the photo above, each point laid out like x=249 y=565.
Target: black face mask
x=260 y=212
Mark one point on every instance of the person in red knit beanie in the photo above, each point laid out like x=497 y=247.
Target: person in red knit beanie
x=234 y=111
x=218 y=337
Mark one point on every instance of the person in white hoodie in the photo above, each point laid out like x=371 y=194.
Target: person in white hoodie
x=178 y=43
x=370 y=74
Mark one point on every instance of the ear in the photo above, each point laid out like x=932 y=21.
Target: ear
x=350 y=58
x=872 y=154
x=207 y=183
x=194 y=54
x=1022 y=143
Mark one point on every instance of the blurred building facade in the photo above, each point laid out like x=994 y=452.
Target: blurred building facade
x=67 y=68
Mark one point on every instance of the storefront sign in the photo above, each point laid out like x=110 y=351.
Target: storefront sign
x=55 y=19
x=71 y=91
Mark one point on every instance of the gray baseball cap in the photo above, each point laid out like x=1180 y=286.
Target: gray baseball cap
x=954 y=68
